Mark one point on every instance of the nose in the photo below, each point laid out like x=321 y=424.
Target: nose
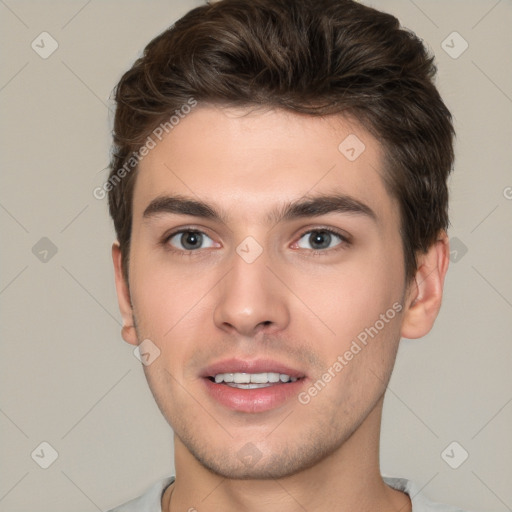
x=251 y=299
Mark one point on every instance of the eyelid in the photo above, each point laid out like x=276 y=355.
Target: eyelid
x=184 y=229
x=341 y=234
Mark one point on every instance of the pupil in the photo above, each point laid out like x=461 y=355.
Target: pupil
x=320 y=239
x=191 y=240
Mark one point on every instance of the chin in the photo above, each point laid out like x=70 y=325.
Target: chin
x=249 y=463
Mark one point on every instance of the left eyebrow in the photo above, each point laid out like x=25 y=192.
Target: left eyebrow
x=322 y=205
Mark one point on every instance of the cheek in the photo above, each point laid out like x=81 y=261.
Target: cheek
x=351 y=298
x=376 y=286
x=163 y=296
x=173 y=310
x=358 y=364
x=361 y=306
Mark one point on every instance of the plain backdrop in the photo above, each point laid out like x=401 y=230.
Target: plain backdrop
x=68 y=379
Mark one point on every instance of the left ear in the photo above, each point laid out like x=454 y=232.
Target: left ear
x=424 y=294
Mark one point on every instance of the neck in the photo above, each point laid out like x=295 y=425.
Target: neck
x=348 y=479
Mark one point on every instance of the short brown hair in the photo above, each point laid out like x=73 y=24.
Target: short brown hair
x=316 y=57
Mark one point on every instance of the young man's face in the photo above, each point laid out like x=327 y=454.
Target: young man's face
x=266 y=287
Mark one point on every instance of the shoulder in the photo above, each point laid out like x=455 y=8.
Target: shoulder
x=419 y=502
x=150 y=501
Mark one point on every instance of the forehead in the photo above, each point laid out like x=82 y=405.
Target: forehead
x=244 y=160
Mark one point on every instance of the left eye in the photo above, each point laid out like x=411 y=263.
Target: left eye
x=190 y=240
x=319 y=239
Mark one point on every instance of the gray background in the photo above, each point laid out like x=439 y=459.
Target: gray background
x=69 y=380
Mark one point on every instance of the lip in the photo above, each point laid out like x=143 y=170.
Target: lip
x=252 y=400
x=246 y=366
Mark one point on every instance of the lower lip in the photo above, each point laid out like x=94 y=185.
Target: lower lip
x=253 y=400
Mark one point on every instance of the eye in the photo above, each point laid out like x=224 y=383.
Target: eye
x=190 y=240
x=320 y=239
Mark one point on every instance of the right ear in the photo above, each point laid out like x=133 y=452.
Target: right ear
x=123 y=297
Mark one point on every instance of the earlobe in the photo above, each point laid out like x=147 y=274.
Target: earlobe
x=128 y=331
x=426 y=290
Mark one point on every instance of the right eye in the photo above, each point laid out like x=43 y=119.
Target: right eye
x=190 y=240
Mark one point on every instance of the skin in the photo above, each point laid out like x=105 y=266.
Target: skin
x=293 y=304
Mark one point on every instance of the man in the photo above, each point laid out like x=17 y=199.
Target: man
x=278 y=189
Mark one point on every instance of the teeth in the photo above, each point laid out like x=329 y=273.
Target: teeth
x=273 y=377
x=248 y=386
x=241 y=378
x=253 y=378
x=263 y=378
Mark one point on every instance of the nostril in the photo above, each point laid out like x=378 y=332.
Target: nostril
x=265 y=324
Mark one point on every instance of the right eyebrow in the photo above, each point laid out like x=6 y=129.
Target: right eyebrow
x=181 y=206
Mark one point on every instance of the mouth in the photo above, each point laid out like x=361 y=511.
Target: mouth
x=252 y=386
x=252 y=380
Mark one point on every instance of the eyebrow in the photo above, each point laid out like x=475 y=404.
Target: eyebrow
x=303 y=207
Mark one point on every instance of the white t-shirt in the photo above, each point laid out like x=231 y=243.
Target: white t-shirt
x=151 y=500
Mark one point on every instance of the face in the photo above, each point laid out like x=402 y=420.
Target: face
x=266 y=266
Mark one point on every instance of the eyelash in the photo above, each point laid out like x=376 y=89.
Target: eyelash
x=344 y=241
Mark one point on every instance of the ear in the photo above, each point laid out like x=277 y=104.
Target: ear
x=123 y=297
x=424 y=294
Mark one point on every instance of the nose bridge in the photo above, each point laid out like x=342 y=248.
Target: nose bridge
x=249 y=297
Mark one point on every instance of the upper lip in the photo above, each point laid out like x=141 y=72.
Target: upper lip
x=250 y=366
